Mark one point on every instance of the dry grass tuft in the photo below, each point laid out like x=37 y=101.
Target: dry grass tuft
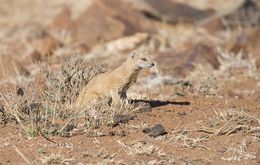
x=232 y=121
x=238 y=153
x=24 y=107
x=201 y=82
x=51 y=111
x=184 y=138
x=103 y=114
x=55 y=159
x=230 y=62
x=226 y=122
x=142 y=148
x=74 y=74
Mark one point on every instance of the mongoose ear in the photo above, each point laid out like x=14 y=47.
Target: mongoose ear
x=133 y=54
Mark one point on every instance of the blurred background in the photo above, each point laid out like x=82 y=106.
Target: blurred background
x=204 y=88
x=182 y=36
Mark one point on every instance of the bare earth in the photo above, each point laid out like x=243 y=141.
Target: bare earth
x=204 y=90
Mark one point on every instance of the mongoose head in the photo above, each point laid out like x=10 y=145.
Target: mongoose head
x=140 y=60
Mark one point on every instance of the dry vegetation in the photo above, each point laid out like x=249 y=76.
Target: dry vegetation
x=39 y=113
x=204 y=90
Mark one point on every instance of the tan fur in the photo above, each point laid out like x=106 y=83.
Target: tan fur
x=113 y=85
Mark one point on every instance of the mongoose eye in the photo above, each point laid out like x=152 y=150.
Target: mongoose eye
x=143 y=59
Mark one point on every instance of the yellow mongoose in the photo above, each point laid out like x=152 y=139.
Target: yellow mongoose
x=113 y=85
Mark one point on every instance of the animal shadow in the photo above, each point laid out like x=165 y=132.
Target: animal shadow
x=158 y=103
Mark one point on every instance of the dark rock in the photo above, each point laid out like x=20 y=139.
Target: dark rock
x=69 y=127
x=20 y=92
x=31 y=108
x=107 y=20
x=35 y=56
x=155 y=131
x=111 y=133
x=173 y=12
x=122 y=119
x=143 y=107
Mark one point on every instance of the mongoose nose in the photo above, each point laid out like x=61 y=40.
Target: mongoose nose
x=152 y=64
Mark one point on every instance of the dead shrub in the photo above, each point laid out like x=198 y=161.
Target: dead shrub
x=40 y=113
x=103 y=114
x=238 y=153
x=232 y=121
x=74 y=74
x=24 y=108
x=225 y=122
x=184 y=137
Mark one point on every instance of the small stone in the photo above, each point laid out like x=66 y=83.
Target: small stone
x=20 y=92
x=155 y=131
x=31 y=108
x=143 y=107
x=111 y=133
x=122 y=119
x=69 y=127
x=35 y=56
